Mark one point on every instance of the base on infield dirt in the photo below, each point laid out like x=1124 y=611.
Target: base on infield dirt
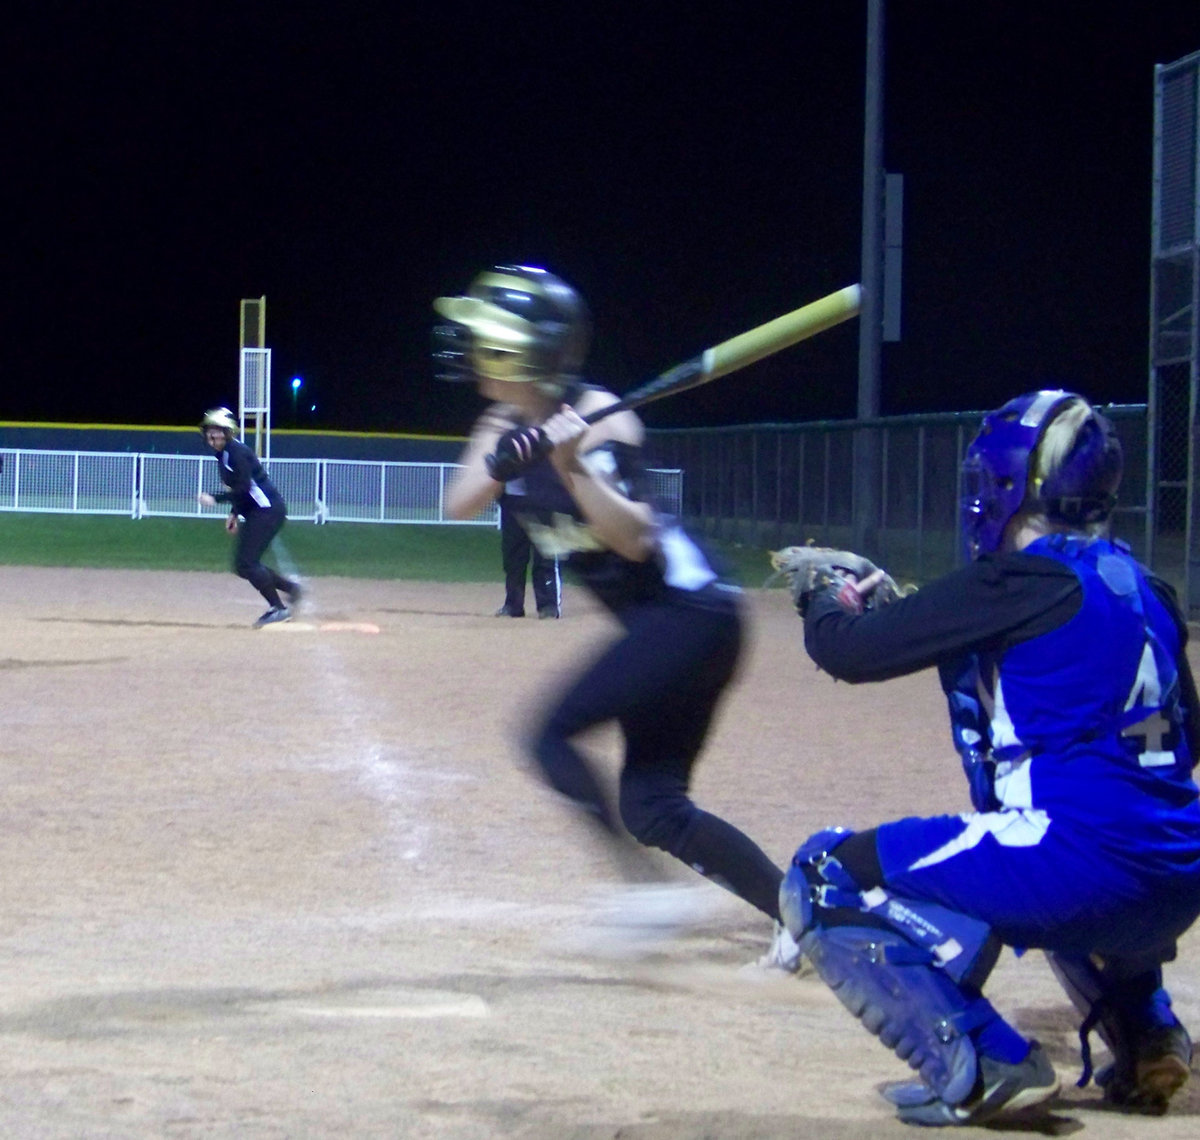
x=321 y=627
x=387 y=1003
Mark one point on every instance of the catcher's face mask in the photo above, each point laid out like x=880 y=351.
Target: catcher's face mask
x=995 y=472
x=1000 y=470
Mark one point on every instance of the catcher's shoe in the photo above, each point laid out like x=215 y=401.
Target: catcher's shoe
x=273 y=615
x=1000 y=1087
x=1160 y=1069
x=505 y=611
x=548 y=612
x=295 y=593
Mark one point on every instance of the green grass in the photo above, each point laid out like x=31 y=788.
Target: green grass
x=355 y=550
x=358 y=550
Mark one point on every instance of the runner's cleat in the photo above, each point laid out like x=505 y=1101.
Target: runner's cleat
x=273 y=615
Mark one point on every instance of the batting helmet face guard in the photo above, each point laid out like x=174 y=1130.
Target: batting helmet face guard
x=517 y=323
x=1000 y=474
x=221 y=418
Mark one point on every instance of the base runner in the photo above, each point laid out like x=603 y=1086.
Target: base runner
x=252 y=497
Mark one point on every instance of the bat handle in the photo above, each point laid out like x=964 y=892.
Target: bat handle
x=677 y=379
x=509 y=461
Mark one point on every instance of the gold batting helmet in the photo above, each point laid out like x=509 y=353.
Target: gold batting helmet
x=517 y=323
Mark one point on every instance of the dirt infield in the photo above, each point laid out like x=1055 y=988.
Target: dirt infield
x=296 y=882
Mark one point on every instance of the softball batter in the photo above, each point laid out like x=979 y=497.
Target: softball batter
x=522 y=334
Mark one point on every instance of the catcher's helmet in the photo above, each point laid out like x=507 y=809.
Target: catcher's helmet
x=219 y=418
x=517 y=323
x=1002 y=474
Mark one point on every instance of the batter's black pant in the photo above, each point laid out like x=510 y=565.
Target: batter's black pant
x=662 y=683
x=254 y=536
x=519 y=555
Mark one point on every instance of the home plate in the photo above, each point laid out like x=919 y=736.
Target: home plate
x=390 y=1003
x=322 y=627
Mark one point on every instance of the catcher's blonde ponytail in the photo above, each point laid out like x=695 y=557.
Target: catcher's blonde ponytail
x=1057 y=442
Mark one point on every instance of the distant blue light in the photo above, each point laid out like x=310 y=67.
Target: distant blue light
x=296 y=382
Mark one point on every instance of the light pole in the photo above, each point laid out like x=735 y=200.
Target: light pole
x=296 y=382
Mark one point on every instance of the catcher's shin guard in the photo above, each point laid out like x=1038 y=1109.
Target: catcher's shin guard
x=911 y=1006
x=900 y=977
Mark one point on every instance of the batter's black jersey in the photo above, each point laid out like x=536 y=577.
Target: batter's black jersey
x=250 y=488
x=678 y=571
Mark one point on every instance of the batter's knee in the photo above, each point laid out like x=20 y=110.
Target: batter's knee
x=655 y=810
x=544 y=744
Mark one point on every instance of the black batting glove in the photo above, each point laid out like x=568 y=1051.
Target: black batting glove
x=516 y=451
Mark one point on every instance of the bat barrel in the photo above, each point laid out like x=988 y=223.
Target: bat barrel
x=781 y=333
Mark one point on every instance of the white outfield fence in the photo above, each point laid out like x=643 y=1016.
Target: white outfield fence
x=144 y=485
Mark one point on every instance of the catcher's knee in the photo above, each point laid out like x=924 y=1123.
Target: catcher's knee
x=819 y=891
x=558 y=763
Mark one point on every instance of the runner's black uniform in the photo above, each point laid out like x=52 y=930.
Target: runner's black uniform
x=252 y=495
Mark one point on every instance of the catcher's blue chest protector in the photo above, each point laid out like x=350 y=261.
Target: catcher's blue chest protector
x=1091 y=839
x=1086 y=723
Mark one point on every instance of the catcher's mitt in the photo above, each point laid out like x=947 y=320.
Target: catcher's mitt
x=814 y=569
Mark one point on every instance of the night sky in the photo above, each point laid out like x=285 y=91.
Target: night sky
x=692 y=169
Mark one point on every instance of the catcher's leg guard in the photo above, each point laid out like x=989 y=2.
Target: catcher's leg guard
x=1130 y=1010
x=898 y=969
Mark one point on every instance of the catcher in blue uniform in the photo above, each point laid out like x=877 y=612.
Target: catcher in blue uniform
x=1074 y=712
x=521 y=334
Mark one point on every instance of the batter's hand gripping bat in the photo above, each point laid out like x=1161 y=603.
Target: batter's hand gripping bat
x=514 y=455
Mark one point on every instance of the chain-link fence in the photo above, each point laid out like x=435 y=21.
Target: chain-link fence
x=1175 y=324
x=773 y=485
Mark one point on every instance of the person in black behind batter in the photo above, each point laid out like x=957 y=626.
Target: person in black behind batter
x=522 y=560
x=521 y=334
x=252 y=496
